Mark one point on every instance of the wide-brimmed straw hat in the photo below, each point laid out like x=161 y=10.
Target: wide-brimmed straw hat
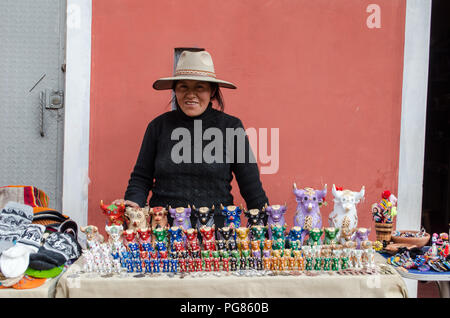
x=196 y=66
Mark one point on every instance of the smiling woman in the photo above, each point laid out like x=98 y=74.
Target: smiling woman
x=194 y=181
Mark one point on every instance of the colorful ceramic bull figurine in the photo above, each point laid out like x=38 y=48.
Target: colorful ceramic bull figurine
x=344 y=214
x=204 y=216
x=176 y=235
x=330 y=236
x=158 y=218
x=242 y=234
x=145 y=239
x=136 y=218
x=307 y=215
x=255 y=217
x=275 y=216
x=93 y=236
x=208 y=237
x=232 y=215
x=361 y=235
x=278 y=236
x=294 y=238
x=258 y=233
x=315 y=237
x=181 y=217
x=114 y=237
x=114 y=213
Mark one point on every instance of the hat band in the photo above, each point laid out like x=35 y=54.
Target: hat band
x=194 y=72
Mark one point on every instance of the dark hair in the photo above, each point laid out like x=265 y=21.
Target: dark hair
x=217 y=96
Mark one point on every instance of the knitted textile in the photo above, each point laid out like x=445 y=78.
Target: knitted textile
x=195 y=182
x=28 y=195
x=14 y=219
x=14 y=261
x=56 y=251
x=50 y=273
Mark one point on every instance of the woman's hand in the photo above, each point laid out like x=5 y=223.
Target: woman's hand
x=126 y=202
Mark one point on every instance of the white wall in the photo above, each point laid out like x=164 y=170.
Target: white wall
x=414 y=108
x=77 y=104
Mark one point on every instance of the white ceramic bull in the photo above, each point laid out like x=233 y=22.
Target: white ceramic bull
x=344 y=215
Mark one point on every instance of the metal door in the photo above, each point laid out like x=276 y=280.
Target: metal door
x=32 y=50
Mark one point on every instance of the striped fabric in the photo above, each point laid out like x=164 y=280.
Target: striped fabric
x=28 y=195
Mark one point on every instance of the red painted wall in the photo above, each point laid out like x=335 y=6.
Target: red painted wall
x=313 y=69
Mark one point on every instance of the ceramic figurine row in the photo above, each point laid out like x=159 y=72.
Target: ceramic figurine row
x=307 y=219
x=102 y=258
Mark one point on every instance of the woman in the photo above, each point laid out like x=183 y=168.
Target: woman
x=180 y=163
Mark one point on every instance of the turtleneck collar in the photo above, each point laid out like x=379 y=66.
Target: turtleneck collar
x=206 y=114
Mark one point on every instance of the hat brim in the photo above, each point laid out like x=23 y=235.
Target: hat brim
x=167 y=82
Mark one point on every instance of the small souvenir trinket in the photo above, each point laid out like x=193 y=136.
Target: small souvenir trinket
x=243 y=263
x=136 y=218
x=182 y=264
x=242 y=236
x=278 y=236
x=307 y=215
x=309 y=263
x=137 y=265
x=275 y=216
x=225 y=264
x=314 y=237
x=233 y=264
x=130 y=265
x=294 y=238
x=255 y=217
x=258 y=233
x=165 y=263
x=176 y=238
x=204 y=216
x=147 y=266
x=208 y=237
x=330 y=235
x=232 y=215
x=181 y=217
x=191 y=265
x=156 y=265
x=216 y=264
x=267 y=249
x=198 y=265
x=174 y=266
x=255 y=249
x=266 y=263
x=361 y=235
x=207 y=267
x=114 y=213
x=344 y=214
x=259 y=264
x=158 y=218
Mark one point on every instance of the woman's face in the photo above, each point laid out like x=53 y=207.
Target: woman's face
x=193 y=97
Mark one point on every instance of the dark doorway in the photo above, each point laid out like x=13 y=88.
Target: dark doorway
x=436 y=179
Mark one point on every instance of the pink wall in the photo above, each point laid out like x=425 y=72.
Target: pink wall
x=313 y=69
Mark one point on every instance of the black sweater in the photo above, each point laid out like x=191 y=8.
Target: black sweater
x=193 y=182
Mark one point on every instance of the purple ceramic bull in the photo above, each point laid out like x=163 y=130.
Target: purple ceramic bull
x=361 y=235
x=308 y=214
x=181 y=217
x=275 y=216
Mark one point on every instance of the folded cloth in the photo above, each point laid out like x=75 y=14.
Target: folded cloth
x=14 y=219
x=28 y=195
x=28 y=282
x=8 y=282
x=14 y=261
x=50 y=273
x=58 y=248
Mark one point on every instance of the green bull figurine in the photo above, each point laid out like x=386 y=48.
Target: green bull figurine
x=314 y=237
x=331 y=235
